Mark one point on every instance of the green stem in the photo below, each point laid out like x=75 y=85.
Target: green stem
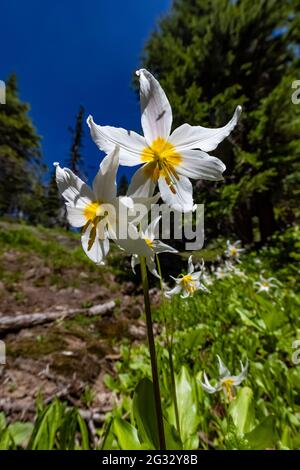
x=170 y=351
x=159 y=415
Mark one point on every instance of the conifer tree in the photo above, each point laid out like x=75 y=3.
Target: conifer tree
x=212 y=55
x=20 y=158
x=75 y=162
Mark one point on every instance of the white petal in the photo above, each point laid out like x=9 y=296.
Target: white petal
x=185 y=294
x=155 y=108
x=134 y=261
x=207 y=386
x=75 y=216
x=106 y=138
x=176 y=290
x=152 y=230
x=239 y=378
x=104 y=184
x=182 y=200
x=99 y=249
x=72 y=189
x=198 y=164
x=133 y=244
x=151 y=266
x=223 y=370
x=160 y=247
x=197 y=137
x=141 y=185
x=190 y=265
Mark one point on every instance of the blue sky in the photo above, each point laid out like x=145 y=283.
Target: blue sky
x=76 y=52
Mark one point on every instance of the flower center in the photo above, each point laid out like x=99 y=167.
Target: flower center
x=161 y=159
x=94 y=214
x=233 y=251
x=149 y=242
x=227 y=385
x=92 y=210
x=188 y=283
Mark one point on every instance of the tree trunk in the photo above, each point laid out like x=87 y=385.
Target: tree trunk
x=266 y=217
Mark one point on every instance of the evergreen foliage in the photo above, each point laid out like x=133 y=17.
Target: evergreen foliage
x=212 y=55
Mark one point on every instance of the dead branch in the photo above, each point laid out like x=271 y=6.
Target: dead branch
x=19 y=322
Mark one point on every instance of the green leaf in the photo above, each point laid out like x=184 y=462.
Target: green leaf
x=241 y=410
x=5 y=440
x=84 y=433
x=188 y=411
x=126 y=435
x=144 y=413
x=20 y=432
x=44 y=432
x=2 y=421
x=263 y=436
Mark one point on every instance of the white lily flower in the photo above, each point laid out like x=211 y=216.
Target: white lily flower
x=221 y=272
x=188 y=284
x=233 y=251
x=226 y=382
x=144 y=243
x=168 y=159
x=265 y=284
x=90 y=208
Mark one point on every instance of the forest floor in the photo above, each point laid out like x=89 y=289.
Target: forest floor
x=45 y=270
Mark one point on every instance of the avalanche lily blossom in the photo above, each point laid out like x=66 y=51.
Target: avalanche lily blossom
x=265 y=284
x=226 y=382
x=233 y=250
x=167 y=159
x=188 y=284
x=89 y=208
x=144 y=243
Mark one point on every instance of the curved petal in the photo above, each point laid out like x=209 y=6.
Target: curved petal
x=106 y=138
x=176 y=290
x=152 y=231
x=182 y=200
x=155 y=108
x=160 y=247
x=223 y=370
x=75 y=216
x=190 y=265
x=197 y=137
x=141 y=185
x=151 y=266
x=104 y=184
x=198 y=164
x=239 y=378
x=72 y=189
x=134 y=261
x=207 y=386
x=99 y=248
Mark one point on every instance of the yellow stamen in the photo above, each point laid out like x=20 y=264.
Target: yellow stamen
x=149 y=242
x=92 y=210
x=94 y=214
x=188 y=283
x=161 y=159
x=227 y=385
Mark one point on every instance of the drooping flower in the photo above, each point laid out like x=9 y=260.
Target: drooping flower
x=144 y=243
x=226 y=382
x=92 y=209
x=168 y=159
x=233 y=251
x=265 y=284
x=188 y=284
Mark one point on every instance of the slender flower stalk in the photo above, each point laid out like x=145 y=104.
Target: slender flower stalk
x=157 y=398
x=170 y=349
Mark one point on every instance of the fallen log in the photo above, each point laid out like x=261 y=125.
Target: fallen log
x=19 y=322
